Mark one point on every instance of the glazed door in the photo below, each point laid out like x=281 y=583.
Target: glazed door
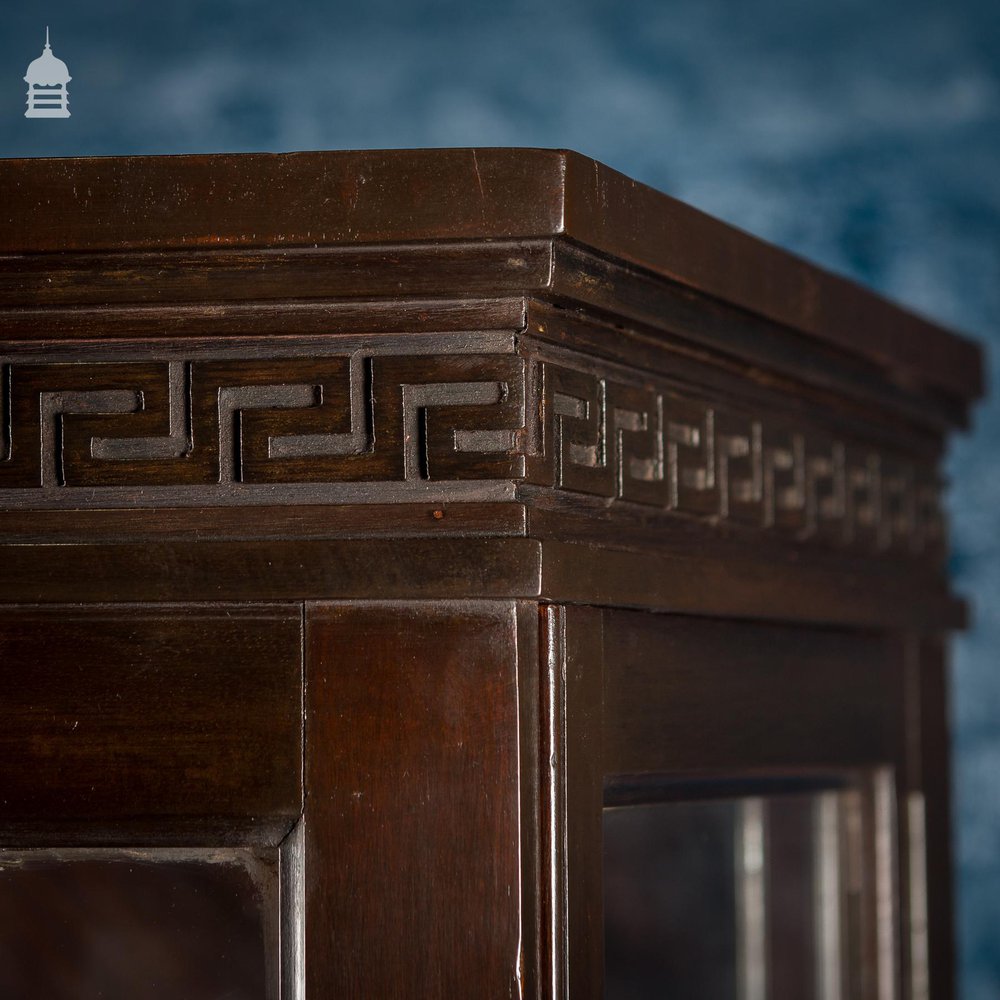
x=150 y=795
x=739 y=810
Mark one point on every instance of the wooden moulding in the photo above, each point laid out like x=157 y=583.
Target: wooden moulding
x=328 y=199
x=327 y=366
x=848 y=592
x=644 y=709
x=335 y=491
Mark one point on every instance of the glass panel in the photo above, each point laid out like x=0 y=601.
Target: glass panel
x=670 y=900
x=117 y=925
x=739 y=899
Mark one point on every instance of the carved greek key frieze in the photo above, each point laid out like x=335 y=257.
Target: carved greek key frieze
x=281 y=420
x=357 y=418
x=665 y=449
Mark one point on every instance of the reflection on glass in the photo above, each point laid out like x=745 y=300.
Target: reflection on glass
x=670 y=899
x=731 y=899
x=126 y=925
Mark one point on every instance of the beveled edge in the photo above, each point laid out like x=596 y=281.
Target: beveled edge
x=477 y=568
x=366 y=197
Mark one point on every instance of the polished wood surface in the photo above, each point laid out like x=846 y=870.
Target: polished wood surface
x=412 y=800
x=328 y=198
x=658 y=719
x=398 y=513
x=660 y=708
x=129 y=724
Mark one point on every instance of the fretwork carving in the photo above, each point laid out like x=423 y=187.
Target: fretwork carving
x=665 y=449
x=355 y=418
x=336 y=419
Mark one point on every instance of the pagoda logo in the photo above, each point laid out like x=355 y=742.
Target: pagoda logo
x=47 y=79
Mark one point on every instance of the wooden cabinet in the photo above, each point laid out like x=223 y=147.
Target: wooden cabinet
x=461 y=573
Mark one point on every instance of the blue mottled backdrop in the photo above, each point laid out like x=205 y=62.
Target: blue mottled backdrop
x=864 y=134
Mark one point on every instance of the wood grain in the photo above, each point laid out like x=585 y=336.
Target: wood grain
x=232 y=522
x=283 y=569
x=683 y=695
x=126 y=724
x=408 y=271
x=586 y=499
x=412 y=802
x=747 y=582
x=329 y=198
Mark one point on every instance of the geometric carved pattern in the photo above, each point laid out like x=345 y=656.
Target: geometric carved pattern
x=348 y=418
x=669 y=450
x=355 y=418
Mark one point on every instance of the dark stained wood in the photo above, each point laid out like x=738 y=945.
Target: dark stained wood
x=842 y=592
x=291 y=199
x=609 y=211
x=473 y=270
x=587 y=500
x=657 y=312
x=592 y=520
x=241 y=319
x=125 y=723
x=772 y=586
x=791 y=898
x=936 y=767
x=532 y=771
x=400 y=520
x=412 y=801
x=330 y=198
x=692 y=339
x=281 y=569
x=657 y=717
x=907 y=786
x=188 y=428
x=572 y=744
x=665 y=708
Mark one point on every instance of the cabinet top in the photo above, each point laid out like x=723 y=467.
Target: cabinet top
x=337 y=198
